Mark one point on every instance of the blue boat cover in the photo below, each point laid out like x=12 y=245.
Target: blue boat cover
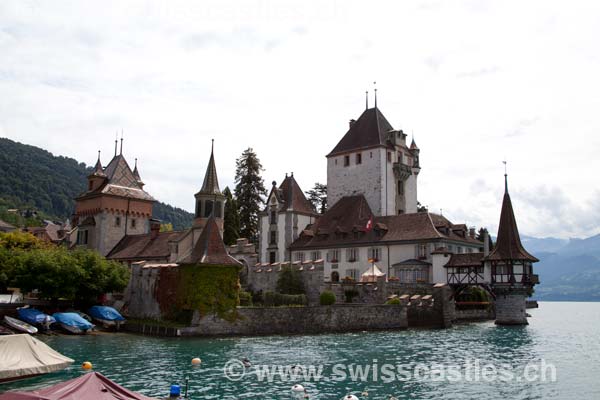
x=72 y=319
x=33 y=316
x=106 y=313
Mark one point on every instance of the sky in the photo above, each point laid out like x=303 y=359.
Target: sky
x=476 y=83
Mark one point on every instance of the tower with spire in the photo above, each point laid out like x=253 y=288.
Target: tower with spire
x=511 y=268
x=373 y=159
x=114 y=205
x=210 y=202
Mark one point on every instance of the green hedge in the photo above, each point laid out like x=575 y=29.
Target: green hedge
x=327 y=298
x=271 y=299
x=245 y=299
x=394 y=301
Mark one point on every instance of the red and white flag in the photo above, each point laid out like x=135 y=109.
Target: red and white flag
x=369 y=225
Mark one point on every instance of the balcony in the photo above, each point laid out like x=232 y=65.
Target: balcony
x=402 y=171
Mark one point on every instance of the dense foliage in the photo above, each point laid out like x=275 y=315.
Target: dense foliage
x=290 y=281
x=271 y=299
x=249 y=192
x=33 y=178
x=211 y=290
x=56 y=272
x=318 y=197
x=327 y=298
x=231 y=221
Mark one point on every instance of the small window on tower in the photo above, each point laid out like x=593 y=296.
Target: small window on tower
x=133 y=223
x=91 y=185
x=346 y=161
x=389 y=156
x=218 y=209
x=400 y=187
x=359 y=158
x=272 y=257
x=118 y=221
x=208 y=208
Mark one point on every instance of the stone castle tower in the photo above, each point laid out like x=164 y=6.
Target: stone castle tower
x=114 y=205
x=209 y=200
x=373 y=159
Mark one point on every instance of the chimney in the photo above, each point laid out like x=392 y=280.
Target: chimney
x=486 y=244
x=352 y=122
x=472 y=232
x=154 y=229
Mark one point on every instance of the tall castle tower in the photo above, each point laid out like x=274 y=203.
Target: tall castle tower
x=114 y=205
x=374 y=160
x=209 y=200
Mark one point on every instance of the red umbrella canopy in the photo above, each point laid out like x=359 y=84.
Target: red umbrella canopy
x=91 y=386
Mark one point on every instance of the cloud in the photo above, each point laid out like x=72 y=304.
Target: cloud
x=478 y=73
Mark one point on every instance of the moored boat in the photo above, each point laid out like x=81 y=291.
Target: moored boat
x=107 y=316
x=72 y=322
x=22 y=356
x=20 y=325
x=36 y=317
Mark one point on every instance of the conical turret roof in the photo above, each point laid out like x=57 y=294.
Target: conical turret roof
x=210 y=249
x=508 y=244
x=98 y=170
x=211 y=182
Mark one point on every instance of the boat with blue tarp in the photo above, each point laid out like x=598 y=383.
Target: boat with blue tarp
x=107 y=316
x=72 y=322
x=36 y=317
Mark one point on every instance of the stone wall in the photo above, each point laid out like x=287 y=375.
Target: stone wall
x=474 y=315
x=301 y=320
x=511 y=308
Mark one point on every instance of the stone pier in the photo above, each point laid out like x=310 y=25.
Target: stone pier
x=511 y=308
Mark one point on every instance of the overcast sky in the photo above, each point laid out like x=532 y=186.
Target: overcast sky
x=477 y=82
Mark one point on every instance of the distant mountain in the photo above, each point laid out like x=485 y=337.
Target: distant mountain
x=31 y=177
x=569 y=270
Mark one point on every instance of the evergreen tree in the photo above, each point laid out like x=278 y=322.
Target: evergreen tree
x=481 y=237
x=318 y=197
x=231 y=221
x=421 y=208
x=249 y=192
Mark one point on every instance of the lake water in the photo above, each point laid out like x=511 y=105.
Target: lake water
x=565 y=336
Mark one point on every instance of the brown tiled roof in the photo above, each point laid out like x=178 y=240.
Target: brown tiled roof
x=120 y=181
x=211 y=182
x=144 y=247
x=210 y=249
x=508 y=244
x=465 y=260
x=293 y=197
x=352 y=213
x=369 y=130
x=6 y=225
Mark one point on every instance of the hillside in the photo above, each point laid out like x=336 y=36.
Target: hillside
x=35 y=178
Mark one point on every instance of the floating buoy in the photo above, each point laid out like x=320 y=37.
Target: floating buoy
x=351 y=397
x=298 y=389
x=86 y=365
x=196 y=361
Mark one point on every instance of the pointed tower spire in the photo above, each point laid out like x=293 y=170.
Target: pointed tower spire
x=375 y=84
x=211 y=182
x=121 y=152
x=366 y=100
x=116 y=141
x=136 y=173
x=508 y=244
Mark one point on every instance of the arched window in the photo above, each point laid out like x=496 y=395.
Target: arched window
x=208 y=208
x=335 y=277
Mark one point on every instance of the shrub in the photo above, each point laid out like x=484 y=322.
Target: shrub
x=290 y=281
x=245 y=298
x=327 y=298
x=271 y=299
x=394 y=301
x=350 y=294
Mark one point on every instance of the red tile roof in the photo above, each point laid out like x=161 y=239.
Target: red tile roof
x=210 y=249
x=144 y=247
x=351 y=214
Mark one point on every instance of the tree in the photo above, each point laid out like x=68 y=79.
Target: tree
x=481 y=237
x=166 y=227
x=290 y=281
x=249 y=192
x=231 y=221
x=56 y=272
x=318 y=197
x=421 y=208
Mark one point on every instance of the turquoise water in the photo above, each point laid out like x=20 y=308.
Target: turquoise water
x=565 y=335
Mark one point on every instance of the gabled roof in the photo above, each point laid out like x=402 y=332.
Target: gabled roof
x=465 y=260
x=211 y=182
x=369 y=130
x=337 y=227
x=291 y=197
x=144 y=247
x=210 y=249
x=508 y=243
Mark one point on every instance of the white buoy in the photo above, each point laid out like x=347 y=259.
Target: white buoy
x=350 y=397
x=298 y=388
